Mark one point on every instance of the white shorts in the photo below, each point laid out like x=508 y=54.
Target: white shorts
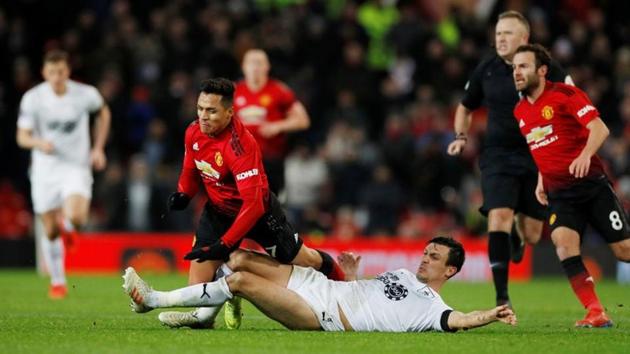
x=51 y=189
x=317 y=291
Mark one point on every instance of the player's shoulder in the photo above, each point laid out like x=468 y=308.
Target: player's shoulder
x=192 y=129
x=240 y=140
x=562 y=89
x=279 y=85
x=488 y=62
x=80 y=87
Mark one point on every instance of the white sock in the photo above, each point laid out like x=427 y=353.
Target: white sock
x=203 y=294
x=54 y=258
x=208 y=314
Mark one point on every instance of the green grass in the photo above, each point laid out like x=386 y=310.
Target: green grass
x=95 y=318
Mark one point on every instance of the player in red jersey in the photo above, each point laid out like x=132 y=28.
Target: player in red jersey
x=224 y=156
x=564 y=131
x=269 y=109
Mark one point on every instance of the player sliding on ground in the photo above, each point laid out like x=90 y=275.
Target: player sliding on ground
x=303 y=299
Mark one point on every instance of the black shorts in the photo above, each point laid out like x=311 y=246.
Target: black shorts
x=272 y=231
x=508 y=180
x=592 y=202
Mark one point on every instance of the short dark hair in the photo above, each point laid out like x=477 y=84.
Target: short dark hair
x=55 y=56
x=456 y=253
x=219 y=86
x=541 y=53
x=517 y=16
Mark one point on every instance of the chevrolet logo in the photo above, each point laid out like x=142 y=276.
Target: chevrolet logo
x=539 y=133
x=207 y=169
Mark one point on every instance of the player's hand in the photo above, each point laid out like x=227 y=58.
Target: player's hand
x=541 y=196
x=349 y=263
x=456 y=147
x=45 y=146
x=580 y=166
x=215 y=252
x=269 y=130
x=177 y=201
x=98 y=158
x=505 y=314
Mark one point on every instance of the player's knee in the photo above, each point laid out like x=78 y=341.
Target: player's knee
x=623 y=252
x=77 y=220
x=238 y=260
x=238 y=282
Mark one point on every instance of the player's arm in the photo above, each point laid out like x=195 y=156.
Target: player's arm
x=100 y=133
x=188 y=183
x=598 y=132
x=26 y=140
x=463 y=118
x=459 y=320
x=296 y=119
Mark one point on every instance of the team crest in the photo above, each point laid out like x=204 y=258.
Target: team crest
x=265 y=100
x=395 y=291
x=552 y=219
x=547 y=112
x=218 y=159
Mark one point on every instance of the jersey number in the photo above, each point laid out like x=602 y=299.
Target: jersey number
x=615 y=220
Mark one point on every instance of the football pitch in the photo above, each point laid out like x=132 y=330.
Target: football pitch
x=96 y=318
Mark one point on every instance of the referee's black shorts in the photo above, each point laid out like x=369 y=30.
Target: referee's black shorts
x=272 y=231
x=508 y=180
x=591 y=202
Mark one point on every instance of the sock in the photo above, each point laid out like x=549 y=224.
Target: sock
x=67 y=225
x=581 y=282
x=52 y=250
x=202 y=294
x=499 y=255
x=330 y=268
x=208 y=314
x=514 y=238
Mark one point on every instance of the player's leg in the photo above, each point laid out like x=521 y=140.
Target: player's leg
x=501 y=193
x=499 y=226
x=568 y=221
x=76 y=209
x=278 y=237
x=76 y=192
x=53 y=253
x=211 y=227
x=274 y=300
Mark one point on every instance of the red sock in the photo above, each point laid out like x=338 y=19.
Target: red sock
x=584 y=288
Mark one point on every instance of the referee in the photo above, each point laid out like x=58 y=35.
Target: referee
x=508 y=173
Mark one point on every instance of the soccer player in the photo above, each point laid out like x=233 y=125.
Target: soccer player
x=269 y=110
x=54 y=123
x=303 y=299
x=508 y=174
x=564 y=132
x=224 y=156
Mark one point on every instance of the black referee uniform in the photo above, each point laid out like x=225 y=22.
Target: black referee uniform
x=508 y=173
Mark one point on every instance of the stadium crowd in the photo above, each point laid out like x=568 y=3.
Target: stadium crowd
x=380 y=80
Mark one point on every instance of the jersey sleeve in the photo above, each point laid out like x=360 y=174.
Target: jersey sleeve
x=581 y=107
x=27 y=113
x=440 y=312
x=556 y=72
x=94 y=99
x=286 y=95
x=189 y=177
x=473 y=95
x=245 y=162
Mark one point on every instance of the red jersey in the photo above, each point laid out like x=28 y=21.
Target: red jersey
x=554 y=127
x=270 y=104
x=230 y=167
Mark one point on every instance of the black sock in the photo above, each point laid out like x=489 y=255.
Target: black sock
x=573 y=266
x=499 y=255
x=514 y=238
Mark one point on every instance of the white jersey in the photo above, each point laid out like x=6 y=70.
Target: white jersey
x=62 y=120
x=394 y=301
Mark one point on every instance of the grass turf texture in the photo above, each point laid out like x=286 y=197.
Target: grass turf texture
x=95 y=318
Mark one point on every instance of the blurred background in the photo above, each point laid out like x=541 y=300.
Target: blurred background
x=380 y=80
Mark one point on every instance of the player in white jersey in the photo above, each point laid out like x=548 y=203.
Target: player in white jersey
x=54 y=123
x=302 y=299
